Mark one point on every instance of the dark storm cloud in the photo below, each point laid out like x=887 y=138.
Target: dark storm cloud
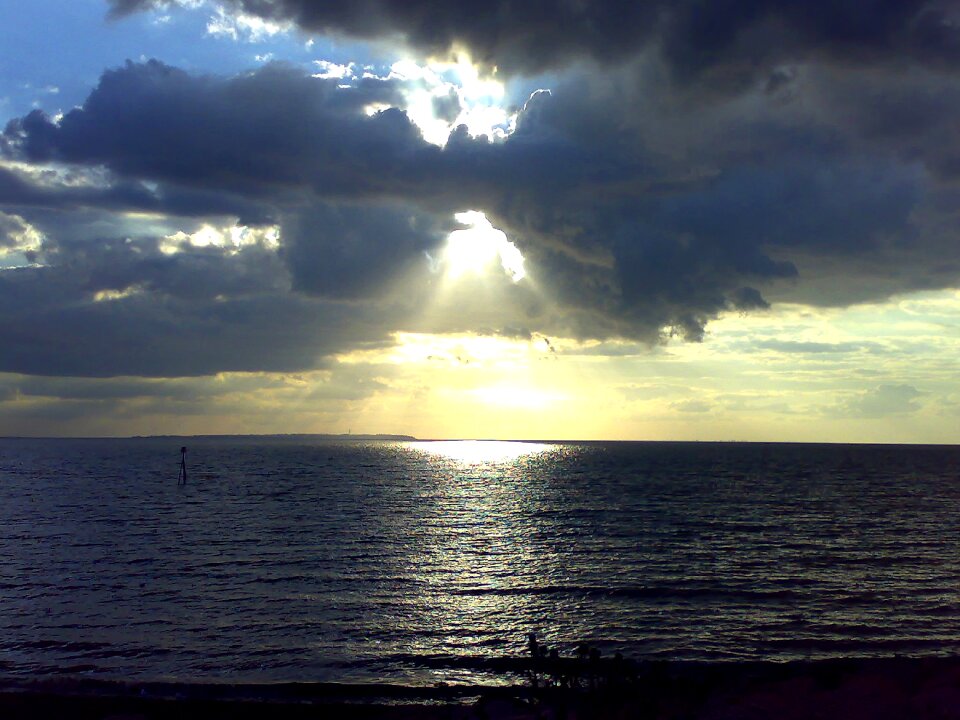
x=556 y=159
x=202 y=273
x=629 y=233
x=728 y=41
x=187 y=390
x=198 y=312
x=174 y=337
x=25 y=193
x=105 y=305
x=256 y=134
x=117 y=389
x=910 y=114
x=356 y=251
x=841 y=208
x=639 y=209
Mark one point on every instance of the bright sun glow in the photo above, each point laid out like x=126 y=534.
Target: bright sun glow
x=474 y=452
x=437 y=97
x=516 y=396
x=475 y=249
x=467 y=98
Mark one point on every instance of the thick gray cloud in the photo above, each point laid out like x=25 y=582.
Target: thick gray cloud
x=561 y=168
x=357 y=251
x=124 y=308
x=256 y=134
x=727 y=42
x=18 y=191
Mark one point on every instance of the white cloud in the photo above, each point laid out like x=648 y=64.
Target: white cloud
x=235 y=238
x=19 y=240
x=248 y=28
x=328 y=69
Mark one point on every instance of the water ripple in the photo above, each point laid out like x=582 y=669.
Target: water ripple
x=392 y=561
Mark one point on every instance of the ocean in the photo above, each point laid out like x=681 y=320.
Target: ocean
x=418 y=562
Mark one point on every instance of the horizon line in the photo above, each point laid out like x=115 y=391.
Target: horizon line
x=400 y=437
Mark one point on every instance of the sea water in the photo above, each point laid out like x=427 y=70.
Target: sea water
x=413 y=562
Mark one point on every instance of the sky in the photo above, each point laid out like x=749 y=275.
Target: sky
x=669 y=220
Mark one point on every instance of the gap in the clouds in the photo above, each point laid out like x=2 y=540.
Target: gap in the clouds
x=444 y=95
x=438 y=97
x=475 y=249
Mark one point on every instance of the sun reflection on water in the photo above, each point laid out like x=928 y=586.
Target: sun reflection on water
x=480 y=537
x=473 y=452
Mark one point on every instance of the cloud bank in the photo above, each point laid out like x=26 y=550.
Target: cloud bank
x=690 y=159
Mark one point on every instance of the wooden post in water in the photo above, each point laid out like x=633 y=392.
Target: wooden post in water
x=182 y=475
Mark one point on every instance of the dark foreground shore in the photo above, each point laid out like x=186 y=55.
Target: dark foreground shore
x=850 y=689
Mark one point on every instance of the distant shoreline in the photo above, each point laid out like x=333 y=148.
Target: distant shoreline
x=280 y=436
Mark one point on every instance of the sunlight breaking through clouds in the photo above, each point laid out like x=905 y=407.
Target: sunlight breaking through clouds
x=441 y=96
x=437 y=97
x=474 y=249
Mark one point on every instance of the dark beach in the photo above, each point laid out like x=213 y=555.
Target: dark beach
x=851 y=689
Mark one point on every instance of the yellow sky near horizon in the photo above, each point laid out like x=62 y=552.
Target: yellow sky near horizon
x=877 y=373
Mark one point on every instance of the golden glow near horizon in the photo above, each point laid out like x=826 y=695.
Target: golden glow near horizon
x=507 y=395
x=884 y=372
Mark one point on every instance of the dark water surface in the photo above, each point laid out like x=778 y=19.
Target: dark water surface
x=408 y=562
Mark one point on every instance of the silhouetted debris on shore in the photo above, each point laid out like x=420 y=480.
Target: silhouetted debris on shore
x=586 y=669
